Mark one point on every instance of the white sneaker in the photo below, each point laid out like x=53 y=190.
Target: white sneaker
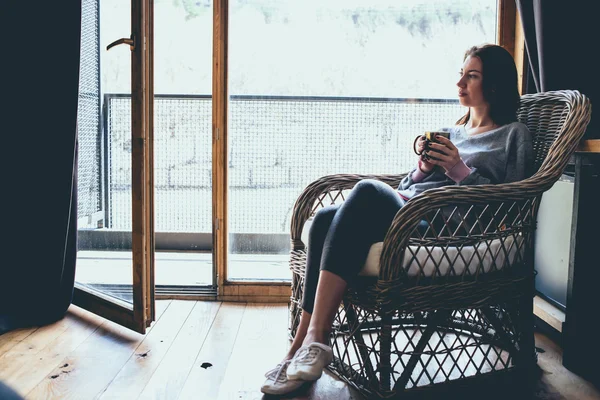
x=309 y=361
x=278 y=382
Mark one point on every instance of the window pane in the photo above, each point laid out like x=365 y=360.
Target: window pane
x=183 y=142
x=332 y=86
x=104 y=258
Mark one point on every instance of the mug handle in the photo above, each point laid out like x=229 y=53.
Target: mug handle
x=415 y=145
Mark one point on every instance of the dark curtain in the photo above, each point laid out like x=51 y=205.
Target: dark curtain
x=562 y=42
x=39 y=86
x=561 y=39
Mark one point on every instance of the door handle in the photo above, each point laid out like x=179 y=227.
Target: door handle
x=130 y=42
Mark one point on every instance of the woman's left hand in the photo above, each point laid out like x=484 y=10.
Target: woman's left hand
x=444 y=153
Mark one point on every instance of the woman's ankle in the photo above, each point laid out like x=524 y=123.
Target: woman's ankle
x=311 y=336
x=289 y=355
x=314 y=335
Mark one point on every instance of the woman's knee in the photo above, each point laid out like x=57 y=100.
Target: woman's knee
x=378 y=197
x=368 y=190
x=322 y=220
x=367 y=185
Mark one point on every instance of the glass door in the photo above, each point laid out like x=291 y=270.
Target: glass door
x=115 y=262
x=326 y=87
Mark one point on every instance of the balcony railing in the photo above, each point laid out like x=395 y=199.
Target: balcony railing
x=277 y=145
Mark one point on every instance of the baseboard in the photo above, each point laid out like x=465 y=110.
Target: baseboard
x=549 y=313
x=549 y=319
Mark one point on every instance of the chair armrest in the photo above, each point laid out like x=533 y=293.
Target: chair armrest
x=325 y=191
x=402 y=231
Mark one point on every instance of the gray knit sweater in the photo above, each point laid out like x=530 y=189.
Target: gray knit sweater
x=501 y=155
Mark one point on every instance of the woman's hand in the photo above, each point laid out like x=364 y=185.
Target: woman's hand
x=444 y=153
x=424 y=164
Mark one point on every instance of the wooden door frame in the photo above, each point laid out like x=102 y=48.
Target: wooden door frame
x=510 y=35
x=142 y=99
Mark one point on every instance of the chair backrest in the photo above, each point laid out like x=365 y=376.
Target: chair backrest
x=557 y=120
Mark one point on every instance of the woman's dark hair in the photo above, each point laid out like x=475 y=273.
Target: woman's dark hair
x=500 y=84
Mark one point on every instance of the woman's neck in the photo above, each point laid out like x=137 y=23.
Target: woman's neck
x=479 y=122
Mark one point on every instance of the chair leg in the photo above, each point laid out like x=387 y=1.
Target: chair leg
x=507 y=340
x=527 y=353
x=293 y=320
x=385 y=343
x=355 y=332
x=295 y=309
x=432 y=324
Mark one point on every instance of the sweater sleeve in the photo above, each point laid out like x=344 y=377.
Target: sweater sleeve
x=416 y=175
x=474 y=178
x=407 y=181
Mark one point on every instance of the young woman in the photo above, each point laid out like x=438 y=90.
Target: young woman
x=486 y=146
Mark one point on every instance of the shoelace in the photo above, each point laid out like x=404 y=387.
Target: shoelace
x=279 y=373
x=307 y=355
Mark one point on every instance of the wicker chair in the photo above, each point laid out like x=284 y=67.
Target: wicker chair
x=451 y=302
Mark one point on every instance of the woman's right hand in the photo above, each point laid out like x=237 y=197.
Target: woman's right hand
x=424 y=165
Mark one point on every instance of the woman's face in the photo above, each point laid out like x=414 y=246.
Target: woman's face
x=470 y=84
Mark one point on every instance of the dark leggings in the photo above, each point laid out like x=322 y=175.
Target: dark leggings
x=341 y=235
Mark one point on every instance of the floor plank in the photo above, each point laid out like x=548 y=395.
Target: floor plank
x=86 y=371
x=38 y=340
x=168 y=380
x=559 y=379
x=259 y=346
x=251 y=357
x=24 y=371
x=12 y=338
x=135 y=374
x=204 y=382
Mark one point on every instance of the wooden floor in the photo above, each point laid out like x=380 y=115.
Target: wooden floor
x=195 y=350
